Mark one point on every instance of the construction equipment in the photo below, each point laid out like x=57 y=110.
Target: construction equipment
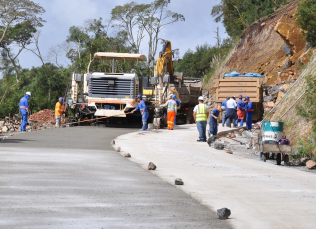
x=167 y=82
x=246 y=86
x=105 y=94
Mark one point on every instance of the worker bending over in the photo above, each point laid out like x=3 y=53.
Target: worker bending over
x=171 y=111
x=200 y=114
x=240 y=111
x=143 y=110
x=249 y=113
x=24 y=110
x=213 y=121
x=58 y=111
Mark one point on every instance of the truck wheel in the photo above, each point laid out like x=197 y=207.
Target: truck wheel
x=278 y=159
x=286 y=159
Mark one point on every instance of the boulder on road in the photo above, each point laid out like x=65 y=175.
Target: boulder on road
x=223 y=213
x=151 y=166
x=178 y=181
x=218 y=145
x=311 y=164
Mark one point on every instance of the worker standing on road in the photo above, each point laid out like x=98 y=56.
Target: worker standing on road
x=143 y=110
x=200 y=114
x=213 y=121
x=240 y=111
x=249 y=113
x=171 y=111
x=24 y=110
x=232 y=112
x=58 y=111
x=224 y=104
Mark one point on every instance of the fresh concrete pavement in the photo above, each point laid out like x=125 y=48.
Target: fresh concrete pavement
x=72 y=178
x=259 y=195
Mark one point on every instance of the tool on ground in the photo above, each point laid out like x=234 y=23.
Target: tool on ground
x=241 y=143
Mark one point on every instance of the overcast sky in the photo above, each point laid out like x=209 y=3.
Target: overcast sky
x=197 y=29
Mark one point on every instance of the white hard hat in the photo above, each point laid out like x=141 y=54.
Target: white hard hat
x=170 y=95
x=201 y=98
x=28 y=93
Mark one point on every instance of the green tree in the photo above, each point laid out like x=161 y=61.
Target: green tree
x=306 y=19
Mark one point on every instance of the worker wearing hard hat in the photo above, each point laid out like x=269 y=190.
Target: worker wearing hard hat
x=171 y=111
x=213 y=121
x=24 y=110
x=200 y=114
x=58 y=111
x=143 y=110
x=249 y=113
x=240 y=111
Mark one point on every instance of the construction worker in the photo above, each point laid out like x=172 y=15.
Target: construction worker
x=171 y=111
x=231 y=111
x=143 y=110
x=224 y=104
x=240 y=111
x=24 y=110
x=200 y=114
x=213 y=121
x=58 y=111
x=249 y=113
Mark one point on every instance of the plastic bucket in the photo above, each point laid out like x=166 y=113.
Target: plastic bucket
x=272 y=131
x=70 y=102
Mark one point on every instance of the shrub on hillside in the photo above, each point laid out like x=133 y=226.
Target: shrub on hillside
x=306 y=19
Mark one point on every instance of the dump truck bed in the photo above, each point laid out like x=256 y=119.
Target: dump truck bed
x=246 y=86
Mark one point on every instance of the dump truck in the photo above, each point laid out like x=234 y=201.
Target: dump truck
x=246 y=86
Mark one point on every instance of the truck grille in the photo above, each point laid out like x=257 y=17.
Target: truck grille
x=111 y=87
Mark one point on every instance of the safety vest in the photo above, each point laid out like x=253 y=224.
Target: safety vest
x=201 y=114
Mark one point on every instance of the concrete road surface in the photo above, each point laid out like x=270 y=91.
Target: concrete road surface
x=72 y=178
x=260 y=195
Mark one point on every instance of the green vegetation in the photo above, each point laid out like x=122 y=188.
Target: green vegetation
x=306 y=19
x=205 y=60
x=307 y=147
x=236 y=15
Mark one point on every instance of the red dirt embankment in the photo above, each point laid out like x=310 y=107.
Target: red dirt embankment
x=260 y=48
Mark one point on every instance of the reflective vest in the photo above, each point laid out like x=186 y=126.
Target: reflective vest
x=201 y=114
x=58 y=110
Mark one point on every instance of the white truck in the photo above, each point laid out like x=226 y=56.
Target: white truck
x=101 y=94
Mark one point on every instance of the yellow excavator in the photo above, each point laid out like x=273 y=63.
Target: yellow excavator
x=167 y=82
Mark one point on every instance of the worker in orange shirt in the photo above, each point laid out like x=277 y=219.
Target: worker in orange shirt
x=58 y=111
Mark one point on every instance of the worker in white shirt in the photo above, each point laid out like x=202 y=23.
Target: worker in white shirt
x=231 y=110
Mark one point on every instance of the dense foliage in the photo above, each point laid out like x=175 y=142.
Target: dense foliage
x=306 y=18
x=204 y=60
x=236 y=15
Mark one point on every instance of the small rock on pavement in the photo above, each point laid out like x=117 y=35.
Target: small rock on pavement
x=178 y=181
x=311 y=164
x=229 y=151
x=304 y=160
x=118 y=149
x=218 y=145
x=151 y=166
x=127 y=155
x=223 y=213
x=113 y=142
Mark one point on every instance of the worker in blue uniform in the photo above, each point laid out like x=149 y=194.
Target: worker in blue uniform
x=213 y=121
x=143 y=110
x=249 y=113
x=240 y=111
x=24 y=110
x=178 y=104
